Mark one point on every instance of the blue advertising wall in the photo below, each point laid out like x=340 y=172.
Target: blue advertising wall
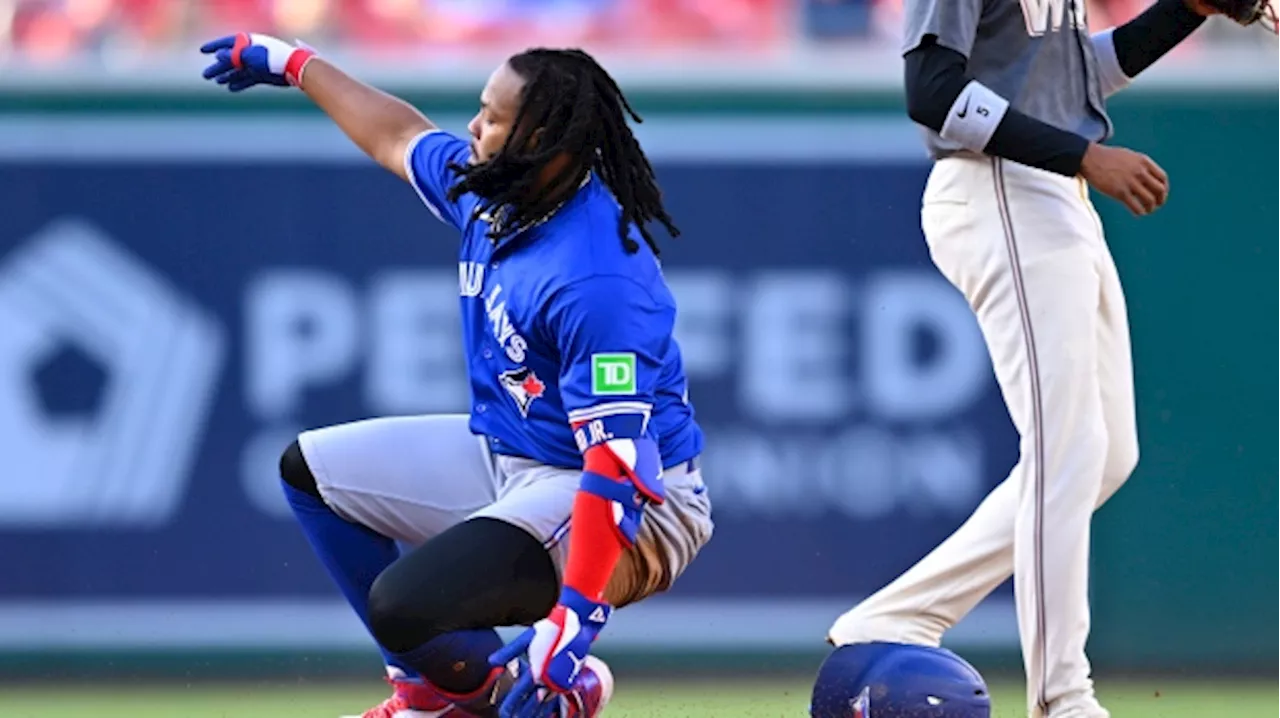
x=178 y=299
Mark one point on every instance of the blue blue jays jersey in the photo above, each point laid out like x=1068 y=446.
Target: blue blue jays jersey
x=560 y=324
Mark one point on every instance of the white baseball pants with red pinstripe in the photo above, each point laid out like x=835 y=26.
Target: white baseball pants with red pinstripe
x=1027 y=250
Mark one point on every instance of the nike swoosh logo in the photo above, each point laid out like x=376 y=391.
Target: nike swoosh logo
x=965 y=110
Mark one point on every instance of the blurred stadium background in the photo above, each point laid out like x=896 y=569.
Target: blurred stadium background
x=187 y=279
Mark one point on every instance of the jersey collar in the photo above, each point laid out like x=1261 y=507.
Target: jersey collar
x=524 y=231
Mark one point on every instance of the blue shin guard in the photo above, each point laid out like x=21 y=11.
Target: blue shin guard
x=352 y=554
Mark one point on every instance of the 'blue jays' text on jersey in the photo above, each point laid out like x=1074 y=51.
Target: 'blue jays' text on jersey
x=561 y=326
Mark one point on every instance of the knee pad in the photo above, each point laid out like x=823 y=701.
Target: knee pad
x=295 y=472
x=398 y=623
x=894 y=680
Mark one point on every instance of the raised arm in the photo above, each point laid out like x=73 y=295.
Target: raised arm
x=391 y=131
x=380 y=124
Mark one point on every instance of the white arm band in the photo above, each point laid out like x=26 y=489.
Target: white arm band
x=974 y=116
x=1111 y=76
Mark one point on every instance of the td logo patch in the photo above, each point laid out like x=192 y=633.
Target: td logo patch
x=613 y=374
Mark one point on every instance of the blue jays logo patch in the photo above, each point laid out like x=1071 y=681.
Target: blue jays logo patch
x=524 y=386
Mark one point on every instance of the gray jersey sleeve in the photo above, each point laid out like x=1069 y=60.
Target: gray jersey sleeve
x=953 y=22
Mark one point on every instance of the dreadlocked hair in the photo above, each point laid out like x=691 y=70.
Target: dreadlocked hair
x=576 y=110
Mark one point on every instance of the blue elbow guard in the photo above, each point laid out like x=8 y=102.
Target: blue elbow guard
x=627 y=473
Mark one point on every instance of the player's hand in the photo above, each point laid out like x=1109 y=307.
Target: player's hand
x=1127 y=176
x=244 y=60
x=556 y=646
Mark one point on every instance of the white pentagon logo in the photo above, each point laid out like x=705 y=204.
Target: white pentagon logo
x=84 y=323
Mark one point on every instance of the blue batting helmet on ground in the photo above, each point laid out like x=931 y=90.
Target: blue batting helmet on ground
x=893 y=680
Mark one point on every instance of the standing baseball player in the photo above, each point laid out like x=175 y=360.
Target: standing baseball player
x=579 y=421
x=1012 y=94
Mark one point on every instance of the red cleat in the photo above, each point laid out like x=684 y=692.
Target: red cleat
x=591 y=692
x=411 y=699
